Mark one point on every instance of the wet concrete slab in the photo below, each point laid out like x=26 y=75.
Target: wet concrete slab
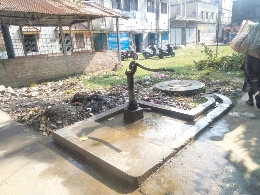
x=132 y=152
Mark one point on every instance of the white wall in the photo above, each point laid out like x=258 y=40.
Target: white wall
x=207 y=8
x=207 y=33
x=164 y=22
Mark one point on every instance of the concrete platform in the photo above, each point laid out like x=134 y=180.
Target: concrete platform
x=131 y=153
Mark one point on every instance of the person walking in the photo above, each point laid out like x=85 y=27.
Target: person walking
x=251 y=67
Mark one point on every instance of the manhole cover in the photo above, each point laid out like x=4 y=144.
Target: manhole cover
x=185 y=87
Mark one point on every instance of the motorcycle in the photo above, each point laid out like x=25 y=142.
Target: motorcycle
x=168 y=52
x=129 y=54
x=149 y=52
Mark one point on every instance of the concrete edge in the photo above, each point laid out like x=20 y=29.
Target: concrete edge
x=178 y=113
x=181 y=114
x=202 y=124
x=5 y=118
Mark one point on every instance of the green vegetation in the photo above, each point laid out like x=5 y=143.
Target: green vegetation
x=216 y=63
x=184 y=66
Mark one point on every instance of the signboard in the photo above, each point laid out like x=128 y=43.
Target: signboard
x=191 y=25
x=112 y=41
x=176 y=25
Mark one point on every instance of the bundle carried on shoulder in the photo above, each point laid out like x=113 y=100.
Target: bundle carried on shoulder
x=247 y=40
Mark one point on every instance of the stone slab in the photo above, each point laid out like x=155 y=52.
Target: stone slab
x=185 y=87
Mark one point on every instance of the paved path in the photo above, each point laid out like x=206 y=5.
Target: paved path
x=225 y=159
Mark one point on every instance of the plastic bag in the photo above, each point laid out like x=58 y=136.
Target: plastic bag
x=242 y=34
x=254 y=47
x=249 y=40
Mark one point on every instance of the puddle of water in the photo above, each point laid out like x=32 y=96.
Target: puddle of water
x=155 y=127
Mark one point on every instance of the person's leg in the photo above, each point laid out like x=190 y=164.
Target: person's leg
x=250 y=89
x=249 y=72
x=250 y=100
x=257 y=97
x=257 y=71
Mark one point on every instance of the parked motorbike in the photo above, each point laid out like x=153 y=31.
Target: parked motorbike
x=149 y=52
x=129 y=54
x=168 y=52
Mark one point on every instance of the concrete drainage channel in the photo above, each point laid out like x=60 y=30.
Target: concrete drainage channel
x=132 y=152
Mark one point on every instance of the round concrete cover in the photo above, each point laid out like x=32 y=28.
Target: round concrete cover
x=185 y=87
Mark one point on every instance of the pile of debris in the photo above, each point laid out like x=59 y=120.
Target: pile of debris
x=50 y=106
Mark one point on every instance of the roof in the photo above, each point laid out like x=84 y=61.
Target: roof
x=46 y=12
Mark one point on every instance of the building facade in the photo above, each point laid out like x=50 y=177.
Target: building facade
x=224 y=19
x=148 y=23
x=193 y=21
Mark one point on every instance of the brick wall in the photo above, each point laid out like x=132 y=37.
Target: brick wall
x=24 y=71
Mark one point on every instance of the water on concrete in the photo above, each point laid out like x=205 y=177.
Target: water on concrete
x=154 y=127
x=132 y=152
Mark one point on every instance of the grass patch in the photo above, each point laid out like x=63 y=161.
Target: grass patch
x=182 y=63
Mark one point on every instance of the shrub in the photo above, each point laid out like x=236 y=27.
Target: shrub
x=215 y=63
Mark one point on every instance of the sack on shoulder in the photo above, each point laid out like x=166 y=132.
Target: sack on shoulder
x=241 y=36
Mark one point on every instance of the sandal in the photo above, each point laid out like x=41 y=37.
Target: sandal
x=257 y=99
x=249 y=103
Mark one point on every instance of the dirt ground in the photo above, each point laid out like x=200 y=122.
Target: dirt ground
x=49 y=106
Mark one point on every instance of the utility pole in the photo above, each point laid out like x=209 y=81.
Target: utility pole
x=219 y=18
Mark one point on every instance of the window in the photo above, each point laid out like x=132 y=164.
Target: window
x=116 y=4
x=79 y=38
x=202 y=14
x=207 y=15
x=134 y=5
x=66 y=40
x=212 y=15
x=30 y=43
x=150 y=6
x=164 y=8
x=125 y=5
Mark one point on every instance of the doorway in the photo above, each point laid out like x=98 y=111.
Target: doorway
x=100 y=41
x=198 y=36
x=138 y=42
x=152 y=38
x=183 y=36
